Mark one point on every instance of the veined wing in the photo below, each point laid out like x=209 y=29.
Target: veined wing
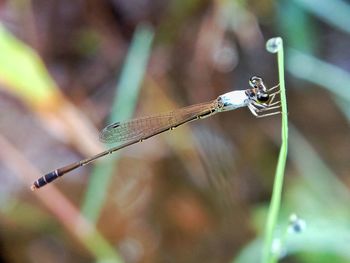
x=145 y=127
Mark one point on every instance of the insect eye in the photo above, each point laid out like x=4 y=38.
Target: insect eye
x=262 y=97
x=254 y=81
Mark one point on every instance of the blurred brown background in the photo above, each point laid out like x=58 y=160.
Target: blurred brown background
x=196 y=194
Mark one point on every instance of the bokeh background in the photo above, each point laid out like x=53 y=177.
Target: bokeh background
x=201 y=192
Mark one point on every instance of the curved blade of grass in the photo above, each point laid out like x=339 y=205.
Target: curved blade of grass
x=323 y=74
x=126 y=96
x=276 y=45
x=314 y=70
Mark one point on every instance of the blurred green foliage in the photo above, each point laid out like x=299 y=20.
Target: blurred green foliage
x=174 y=215
x=125 y=100
x=22 y=71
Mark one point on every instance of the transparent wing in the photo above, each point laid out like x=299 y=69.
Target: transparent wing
x=144 y=127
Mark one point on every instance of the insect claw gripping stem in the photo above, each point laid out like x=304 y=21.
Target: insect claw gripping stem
x=260 y=108
x=268 y=114
x=275 y=103
x=273 y=88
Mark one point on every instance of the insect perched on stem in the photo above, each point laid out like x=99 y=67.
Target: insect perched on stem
x=260 y=100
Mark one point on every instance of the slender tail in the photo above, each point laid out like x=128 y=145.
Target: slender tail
x=49 y=177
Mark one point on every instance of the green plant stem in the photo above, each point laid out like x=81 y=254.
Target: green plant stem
x=127 y=93
x=275 y=203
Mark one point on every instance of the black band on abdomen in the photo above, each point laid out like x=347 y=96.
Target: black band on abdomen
x=47 y=178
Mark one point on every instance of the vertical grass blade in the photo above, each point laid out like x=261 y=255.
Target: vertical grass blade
x=335 y=12
x=127 y=93
x=275 y=45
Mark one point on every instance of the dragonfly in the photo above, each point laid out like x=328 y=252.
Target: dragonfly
x=260 y=100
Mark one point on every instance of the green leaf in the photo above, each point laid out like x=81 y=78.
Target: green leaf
x=23 y=72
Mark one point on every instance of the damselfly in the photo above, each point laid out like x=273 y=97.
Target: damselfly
x=260 y=100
